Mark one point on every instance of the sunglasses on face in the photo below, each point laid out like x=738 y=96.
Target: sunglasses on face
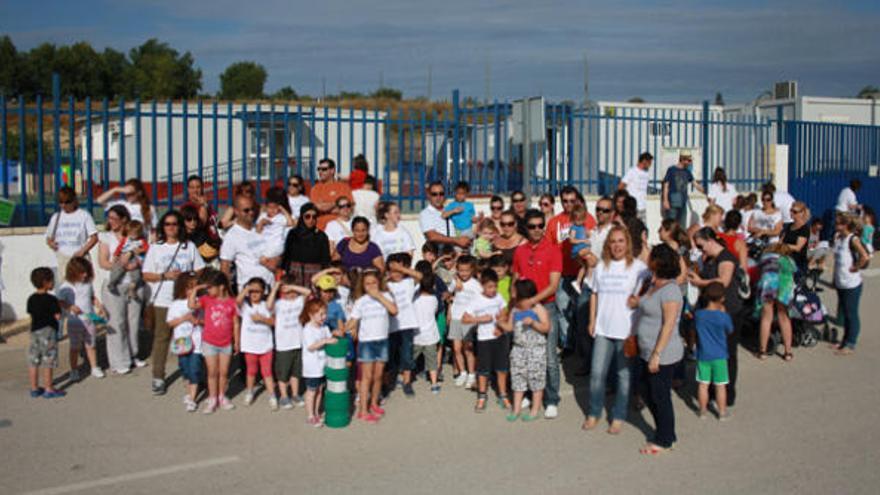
x=170 y=224
x=436 y=193
x=535 y=226
x=569 y=201
x=604 y=210
x=766 y=199
x=345 y=205
x=309 y=216
x=497 y=208
x=323 y=169
x=508 y=224
x=518 y=200
x=293 y=184
x=247 y=210
x=548 y=205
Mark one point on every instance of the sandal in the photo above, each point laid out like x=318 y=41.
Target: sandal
x=652 y=449
x=512 y=417
x=787 y=357
x=844 y=351
x=481 y=405
x=762 y=355
x=589 y=423
x=615 y=427
x=528 y=418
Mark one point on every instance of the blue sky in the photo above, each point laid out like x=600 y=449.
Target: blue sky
x=662 y=51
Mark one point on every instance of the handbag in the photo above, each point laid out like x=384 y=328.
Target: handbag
x=182 y=345
x=150 y=308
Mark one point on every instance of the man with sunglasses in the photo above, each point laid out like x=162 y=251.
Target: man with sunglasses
x=540 y=261
x=675 y=189
x=568 y=300
x=436 y=228
x=244 y=247
x=327 y=190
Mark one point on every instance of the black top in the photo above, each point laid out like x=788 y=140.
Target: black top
x=43 y=308
x=305 y=246
x=732 y=302
x=790 y=235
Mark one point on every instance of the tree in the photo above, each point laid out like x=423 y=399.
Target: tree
x=114 y=71
x=719 y=100
x=159 y=71
x=36 y=71
x=80 y=69
x=868 y=91
x=243 y=80
x=388 y=93
x=285 y=93
x=635 y=99
x=9 y=67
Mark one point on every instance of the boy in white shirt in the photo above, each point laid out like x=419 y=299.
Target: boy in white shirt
x=427 y=336
x=286 y=302
x=403 y=285
x=465 y=289
x=493 y=355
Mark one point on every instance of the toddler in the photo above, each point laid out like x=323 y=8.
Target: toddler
x=43 y=349
x=316 y=335
x=462 y=211
x=133 y=249
x=186 y=341
x=286 y=302
x=580 y=244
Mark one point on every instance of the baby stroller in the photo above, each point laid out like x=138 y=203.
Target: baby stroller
x=809 y=319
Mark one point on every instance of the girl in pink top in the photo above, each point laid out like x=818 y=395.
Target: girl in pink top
x=220 y=335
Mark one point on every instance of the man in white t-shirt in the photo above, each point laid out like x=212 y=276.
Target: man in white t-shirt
x=847 y=202
x=244 y=246
x=71 y=231
x=436 y=228
x=636 y=181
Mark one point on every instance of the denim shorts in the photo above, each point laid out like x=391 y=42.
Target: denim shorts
x=313 y=383
x=209 y=350
x=400 y=345
x=191 y=367
x=373 y=351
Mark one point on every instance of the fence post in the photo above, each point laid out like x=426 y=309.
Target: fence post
x=779 y=127
x=706 y=149
x=456 y=115
x=56 y=128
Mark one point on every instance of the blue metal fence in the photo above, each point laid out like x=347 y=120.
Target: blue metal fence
x=103 y=143
x=824 y=157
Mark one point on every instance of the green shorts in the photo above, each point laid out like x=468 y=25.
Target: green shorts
x=714 y=371
x=441 y=326
x=430 y=353
x=288 y=364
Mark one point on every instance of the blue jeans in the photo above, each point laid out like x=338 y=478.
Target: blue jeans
x=571 y=306
x=551 y=390
x=657 y=394
x=606 y=351
x=848 y=307
x=400 y=344
x=678 y=214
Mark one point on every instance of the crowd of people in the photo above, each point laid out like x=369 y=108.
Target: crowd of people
x=500 y=296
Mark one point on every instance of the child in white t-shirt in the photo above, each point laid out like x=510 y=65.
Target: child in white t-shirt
x=316 y=336
x=288 y=338
x=465 y=289
x=256 y=339
x=186 y=340
x=403 y=285
x=76 y=296
x=273 y=224
x=493 y=354
x=427 y=338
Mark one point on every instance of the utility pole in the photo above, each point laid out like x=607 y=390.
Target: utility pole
x=586 y=83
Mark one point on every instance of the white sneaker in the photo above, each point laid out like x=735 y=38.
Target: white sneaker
x=551 y=412
x=248 y=397
x=460 y=379
x=471 y=381
x=226 y=404
x=97 y=372
x=139 y=363
x=526 y=403
x=73 y=376
x=190 y=404
x=273 y=403
x=122 y=371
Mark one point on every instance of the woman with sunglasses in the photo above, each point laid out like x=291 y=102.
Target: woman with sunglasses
x=358 y=251
x=123 y=305
x=71 y=232
x=766 y=223
x=496 y=207
x=166 y=259
x=519 y=204
x=296 y=198
x=547 y=205
x=307 y=248
x=135 y=200
x=340 y=227
x=198 y=234
x=509 y=238
x=796 y=235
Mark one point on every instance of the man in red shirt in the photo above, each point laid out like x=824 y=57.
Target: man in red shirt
x=570 y=301
x=326 y=191
x=540 y=261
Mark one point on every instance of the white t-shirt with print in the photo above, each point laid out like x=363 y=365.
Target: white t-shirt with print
x=613 y=284
x=426 y=314
x=296 y=203
x=404 y=293
x=288 y=329
x=72 y=232
x=398 y=240
x=161 y=259
x=462 y=299
x=275 y=233
x=337 y=230
x=373 y=318
x=256 y=338
x=313 y=361
x=637 y=181
x=244 y=248
x=767 y=221
x=483 y=306
x=178 y=309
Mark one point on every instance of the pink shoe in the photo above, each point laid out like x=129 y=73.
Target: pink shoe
x=315 y=422
x=210 y=406
x=368 y=418
x=226 y=404
x=378 y=411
